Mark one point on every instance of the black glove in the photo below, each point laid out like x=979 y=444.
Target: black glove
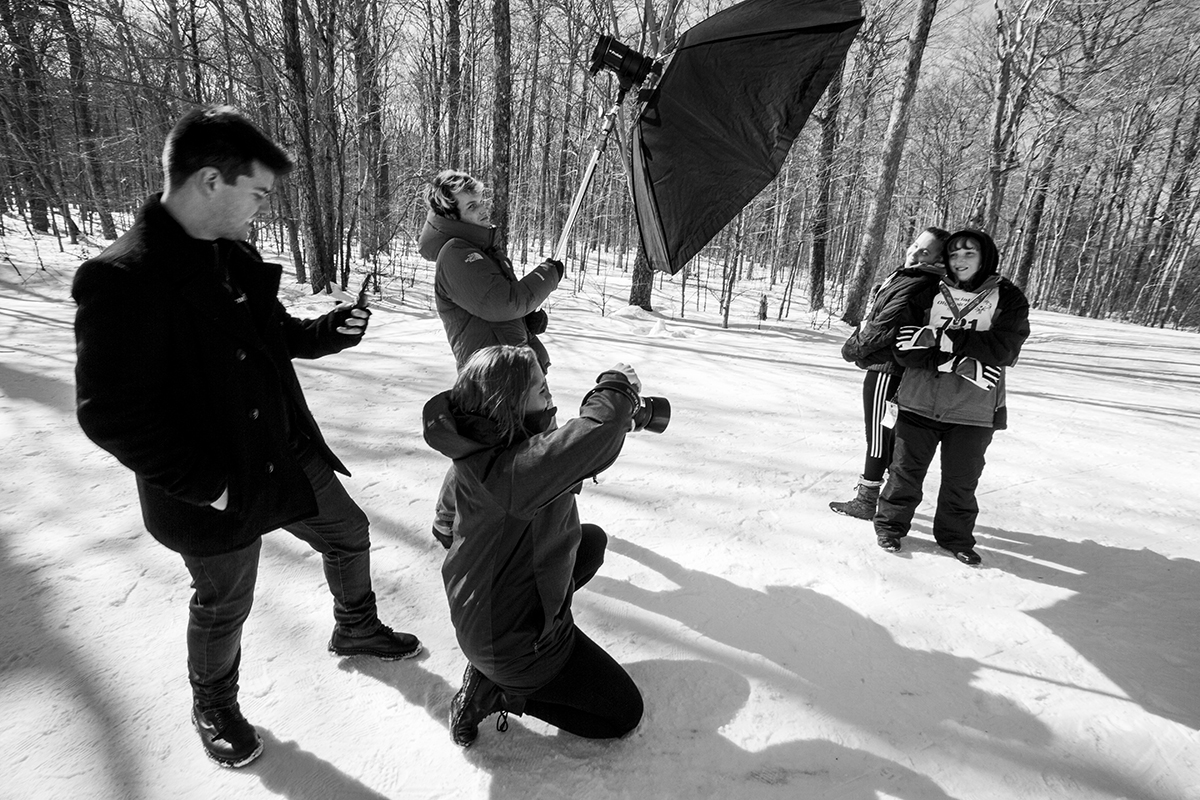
x=536 y=321
x=341 y=314
x=618 y=381
x=558 y=265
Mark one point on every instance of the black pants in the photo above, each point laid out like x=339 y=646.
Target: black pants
x=878 y=389
x=593 y=696
x=224 y=586
x=963 y=448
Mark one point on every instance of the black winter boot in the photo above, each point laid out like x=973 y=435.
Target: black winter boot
x=863 y=504
x=477 y=700
x=228 y=738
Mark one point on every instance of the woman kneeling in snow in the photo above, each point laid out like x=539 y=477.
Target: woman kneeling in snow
x=519 y=551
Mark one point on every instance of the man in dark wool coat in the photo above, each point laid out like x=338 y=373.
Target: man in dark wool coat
x=185 y=374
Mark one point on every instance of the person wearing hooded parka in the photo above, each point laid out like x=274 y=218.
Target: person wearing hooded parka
x=956 y=341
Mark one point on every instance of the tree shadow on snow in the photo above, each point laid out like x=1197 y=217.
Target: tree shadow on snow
x=297 y=774
x=1131 y=613
x=38 y=663
x=850 y=667
x=43 y=389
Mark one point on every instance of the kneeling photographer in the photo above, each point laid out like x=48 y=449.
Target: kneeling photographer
x=519 y=551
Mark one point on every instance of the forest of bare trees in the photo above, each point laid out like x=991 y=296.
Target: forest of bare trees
x=1069 y=129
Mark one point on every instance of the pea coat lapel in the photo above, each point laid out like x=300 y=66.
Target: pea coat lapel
x=199 y=287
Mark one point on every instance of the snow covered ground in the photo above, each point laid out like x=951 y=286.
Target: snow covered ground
x=781 y=653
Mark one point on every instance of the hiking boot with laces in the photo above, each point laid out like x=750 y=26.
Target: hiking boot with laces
x=228 y=738
x=863 y=504
x=380 y=641
x=478 y=699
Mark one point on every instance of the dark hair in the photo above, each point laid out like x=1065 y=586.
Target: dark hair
x=439 y=195
x=220 y=137
x=989 y=255
x=493 y=384
x=941 y=235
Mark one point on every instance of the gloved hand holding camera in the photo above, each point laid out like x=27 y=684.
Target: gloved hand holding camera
x=650 y=413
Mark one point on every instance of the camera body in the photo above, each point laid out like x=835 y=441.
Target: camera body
x=652 y=414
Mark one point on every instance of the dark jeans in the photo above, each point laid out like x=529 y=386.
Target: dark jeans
x=878 y=389
x=593 y=696
x=963 y=449
x=224 y=586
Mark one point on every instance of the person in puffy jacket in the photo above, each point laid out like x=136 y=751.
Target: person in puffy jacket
x=955 y=345
x=478 y=296
x=870 y=348
x=520 y=551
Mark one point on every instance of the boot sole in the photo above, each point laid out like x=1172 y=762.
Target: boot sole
x=844 y=513
x=376 y=654
x=230 y=763
x=236 y=764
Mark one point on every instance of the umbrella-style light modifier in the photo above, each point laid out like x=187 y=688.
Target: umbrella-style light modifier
x=717 y=125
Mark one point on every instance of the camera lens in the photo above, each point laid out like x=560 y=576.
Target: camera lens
x=653 y=415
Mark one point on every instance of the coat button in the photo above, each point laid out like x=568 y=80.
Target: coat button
x=253 y=413
x=241 y=354
x=270 y=467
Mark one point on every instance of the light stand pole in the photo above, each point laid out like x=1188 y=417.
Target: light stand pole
x=610 y=121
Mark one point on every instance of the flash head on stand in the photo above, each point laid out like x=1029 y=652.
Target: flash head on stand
x=630 y=66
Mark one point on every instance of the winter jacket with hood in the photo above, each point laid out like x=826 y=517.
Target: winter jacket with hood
x=477 y=294
x=987 y=321
x=508 y=574
x=870 y=346
x=192 y=386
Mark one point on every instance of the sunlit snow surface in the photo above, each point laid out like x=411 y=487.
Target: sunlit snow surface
x=781 y=653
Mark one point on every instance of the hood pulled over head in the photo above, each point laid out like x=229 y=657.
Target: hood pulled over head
x=989 y=257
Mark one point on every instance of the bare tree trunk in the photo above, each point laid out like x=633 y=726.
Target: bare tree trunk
x=501 y=119
x=1037 y=207
x=641 y=284
x=93 y=169
x=315 y=194
x=824 y=210
x=453 y=59
x=893 y=149
x=27 y=127
x=374 y=196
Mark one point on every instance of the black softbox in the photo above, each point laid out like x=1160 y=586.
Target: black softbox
x=736 y=91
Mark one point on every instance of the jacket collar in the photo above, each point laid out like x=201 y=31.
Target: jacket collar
x=439 y=230
x=937 y=270
x=985 y=285
x=193 y=267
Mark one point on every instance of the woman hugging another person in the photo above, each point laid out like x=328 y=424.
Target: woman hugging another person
x=955 y=341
